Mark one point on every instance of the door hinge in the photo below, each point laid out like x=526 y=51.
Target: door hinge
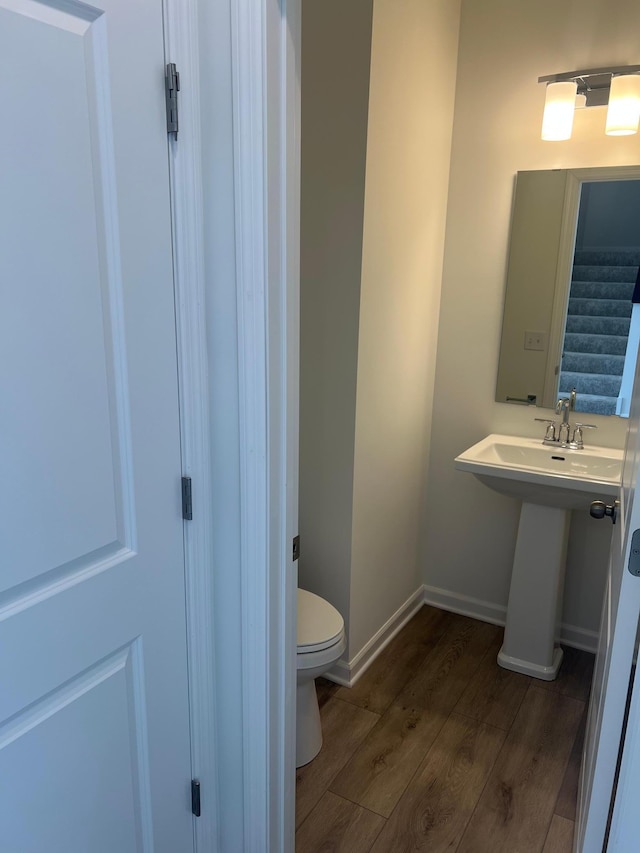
x=171 y=88
x=195 y=797
x=296 y=548
x=187 y=504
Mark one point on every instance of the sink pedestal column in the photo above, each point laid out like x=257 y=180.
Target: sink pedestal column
x=535 y=596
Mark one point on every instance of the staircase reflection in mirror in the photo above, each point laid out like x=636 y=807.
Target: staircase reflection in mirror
x=599 y=317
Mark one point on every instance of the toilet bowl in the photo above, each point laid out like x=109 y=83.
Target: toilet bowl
x=321 y=641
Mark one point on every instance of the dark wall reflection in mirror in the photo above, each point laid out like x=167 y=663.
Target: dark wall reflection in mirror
x=572 y=302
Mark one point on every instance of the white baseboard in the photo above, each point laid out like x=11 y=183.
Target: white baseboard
x=579 y=638
x=486 y=611
x=339 y=673
x=348 y=672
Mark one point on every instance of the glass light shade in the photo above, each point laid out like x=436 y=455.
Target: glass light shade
x=559 y=107
x=581 y=102
x=624 y=105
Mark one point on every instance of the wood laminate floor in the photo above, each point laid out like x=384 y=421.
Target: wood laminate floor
x=437 y=748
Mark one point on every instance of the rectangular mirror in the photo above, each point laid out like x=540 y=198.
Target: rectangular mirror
x=571 y=318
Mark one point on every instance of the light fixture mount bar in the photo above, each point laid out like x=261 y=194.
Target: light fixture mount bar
x=590 y=72
x=594 y=83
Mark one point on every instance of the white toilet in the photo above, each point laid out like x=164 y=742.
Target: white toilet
x=321 y=641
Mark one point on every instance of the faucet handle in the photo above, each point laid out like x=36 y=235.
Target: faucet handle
x=550 y=434
x=577 y=434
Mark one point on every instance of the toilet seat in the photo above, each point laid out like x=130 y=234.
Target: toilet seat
x=321 y=642
x=320 y=626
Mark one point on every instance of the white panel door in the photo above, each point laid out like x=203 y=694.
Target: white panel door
x=614 y=659
x=625 y=824
x=94 y=726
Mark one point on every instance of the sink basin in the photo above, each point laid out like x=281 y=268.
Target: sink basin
x=525 y=468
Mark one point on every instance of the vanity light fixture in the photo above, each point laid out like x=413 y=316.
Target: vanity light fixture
x=618 y=88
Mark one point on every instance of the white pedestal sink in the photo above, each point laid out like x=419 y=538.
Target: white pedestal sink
x=551 y=483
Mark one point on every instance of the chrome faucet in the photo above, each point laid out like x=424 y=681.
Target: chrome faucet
x=562 y=436
x=563 y=407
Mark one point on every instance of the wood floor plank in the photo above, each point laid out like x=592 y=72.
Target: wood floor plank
x=560 y=837
x=380 y=769
x=338 y=826
x=516 y=807
x=344 y=727
x=435 y=809
x=574 y=677
x=494 y=694
x=568 y=796
x=397 y=663
x=325 y=689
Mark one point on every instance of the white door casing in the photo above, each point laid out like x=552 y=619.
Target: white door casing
x=614 y=658
x=94 y=718
x=265 y=37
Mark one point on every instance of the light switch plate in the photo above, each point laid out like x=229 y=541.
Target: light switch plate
x=535 y=341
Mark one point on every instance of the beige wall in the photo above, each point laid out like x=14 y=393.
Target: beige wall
x=413 y=63
x=469 y=532
x=336 y=52
x=372 y=248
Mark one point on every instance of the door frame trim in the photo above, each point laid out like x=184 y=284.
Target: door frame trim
x=265 y=44
x=185 y=174
x=265 y=51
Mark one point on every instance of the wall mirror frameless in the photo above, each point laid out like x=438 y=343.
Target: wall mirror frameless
x=570 y=315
